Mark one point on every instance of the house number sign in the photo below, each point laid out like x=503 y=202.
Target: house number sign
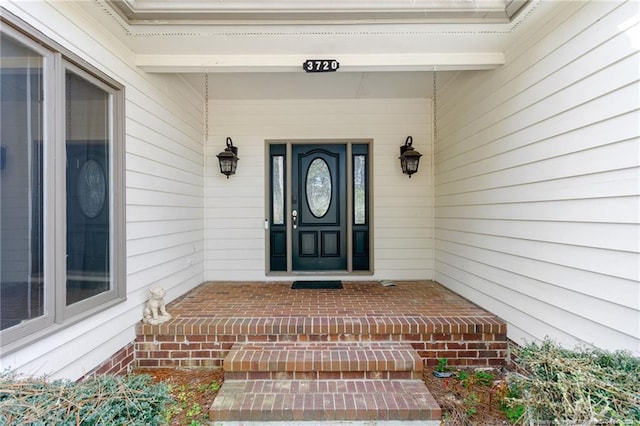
x=321 y=65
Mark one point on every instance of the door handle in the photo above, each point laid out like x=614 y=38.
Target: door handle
x=294 y=219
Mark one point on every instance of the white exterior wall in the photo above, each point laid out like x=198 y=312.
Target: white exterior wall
x=164 y=192
x=537 y=180
x=235 y=208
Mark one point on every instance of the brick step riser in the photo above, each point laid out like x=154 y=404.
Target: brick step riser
x=325 y=357
x=209 y=350
x=324 y=367
x=327 y=413
x=323 y=375
x=324 y=401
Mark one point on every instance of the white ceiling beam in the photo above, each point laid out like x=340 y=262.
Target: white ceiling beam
x=291 y=63
x=261 y=5
x=145 y=12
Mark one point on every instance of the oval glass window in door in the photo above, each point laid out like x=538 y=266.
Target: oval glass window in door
x=318 y=187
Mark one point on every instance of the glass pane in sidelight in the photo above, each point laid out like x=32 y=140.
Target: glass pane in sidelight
x=359 y=189
x=277 y=180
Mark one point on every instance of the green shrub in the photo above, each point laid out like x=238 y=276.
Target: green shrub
x=582 y=386
x=442 y=365
x=508 y=395
x=105 y=400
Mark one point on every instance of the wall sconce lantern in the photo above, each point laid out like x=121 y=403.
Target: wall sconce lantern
x=409 y=157
x=228 y=159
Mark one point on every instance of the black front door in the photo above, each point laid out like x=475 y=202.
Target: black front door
x=318 y=208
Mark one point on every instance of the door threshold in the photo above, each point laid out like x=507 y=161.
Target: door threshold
x=294 y=274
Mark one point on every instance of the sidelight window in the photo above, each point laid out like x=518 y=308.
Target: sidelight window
x=361 y=217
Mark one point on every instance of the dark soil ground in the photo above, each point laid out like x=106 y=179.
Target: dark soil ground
x=193 y=391
x=472 y=401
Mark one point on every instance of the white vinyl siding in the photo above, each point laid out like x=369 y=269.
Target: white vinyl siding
x=537 y=180
x=164 y=192
x=402 y=221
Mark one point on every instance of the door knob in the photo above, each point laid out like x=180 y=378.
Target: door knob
x=294 y=218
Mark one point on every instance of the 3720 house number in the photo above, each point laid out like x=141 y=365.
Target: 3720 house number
x=321 y=65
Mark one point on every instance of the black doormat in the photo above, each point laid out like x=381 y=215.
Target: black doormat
x=317 y=285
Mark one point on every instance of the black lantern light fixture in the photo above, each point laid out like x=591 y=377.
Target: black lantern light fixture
x=409 y=157
x=228 y=159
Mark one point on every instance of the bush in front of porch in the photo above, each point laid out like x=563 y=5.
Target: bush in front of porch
x=103 y=400
x=580 y=386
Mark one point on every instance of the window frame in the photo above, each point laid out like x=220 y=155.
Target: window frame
x=57 y=60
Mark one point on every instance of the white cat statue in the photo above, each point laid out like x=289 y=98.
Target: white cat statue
x=155 y=311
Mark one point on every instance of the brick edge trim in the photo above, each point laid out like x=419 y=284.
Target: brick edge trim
x=119 y=363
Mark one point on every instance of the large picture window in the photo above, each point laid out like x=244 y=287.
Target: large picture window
x=61 y=167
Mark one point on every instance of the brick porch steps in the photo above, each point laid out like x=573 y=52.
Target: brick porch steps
x=350 y=354
x=323 y=381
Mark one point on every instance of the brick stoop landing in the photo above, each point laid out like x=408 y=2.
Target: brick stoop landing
x=210 y=319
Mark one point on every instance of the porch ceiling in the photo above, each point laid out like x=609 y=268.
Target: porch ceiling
x=352 y=85
x=255 y=49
